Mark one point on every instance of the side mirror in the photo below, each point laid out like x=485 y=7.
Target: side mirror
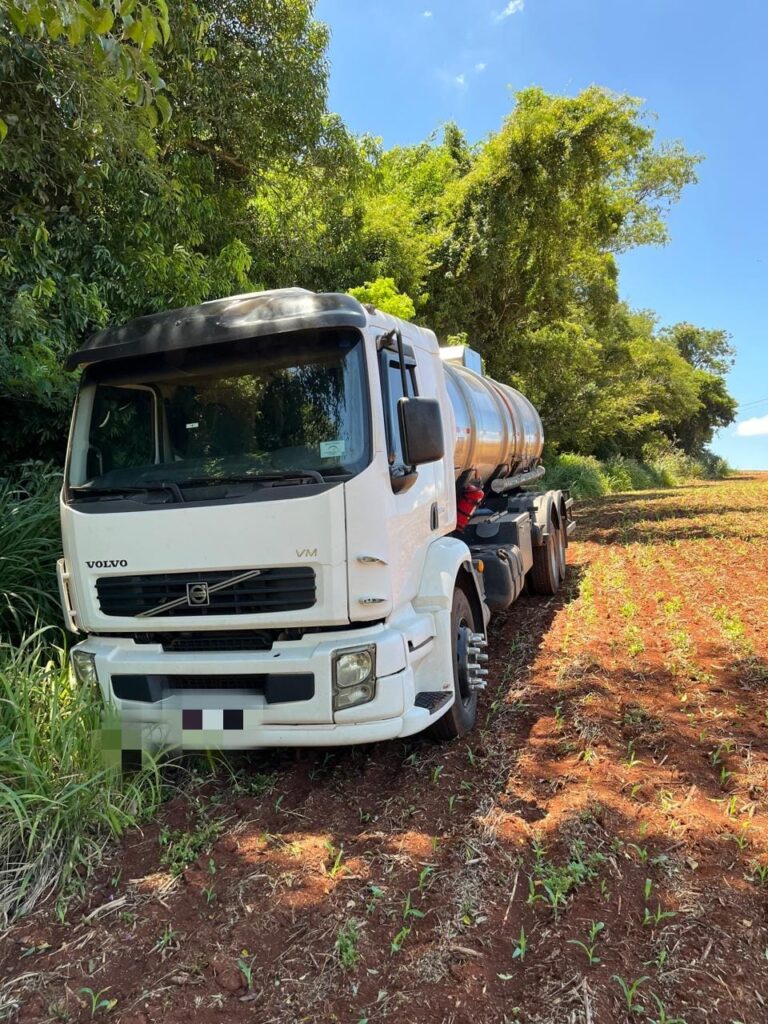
x=421 y=430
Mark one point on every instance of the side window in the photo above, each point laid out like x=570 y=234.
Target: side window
x=393 y=392
x=122 y=433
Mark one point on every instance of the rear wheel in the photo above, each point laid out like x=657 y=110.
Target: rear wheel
x=562 y=543
x=549 y=559
x=462 y=715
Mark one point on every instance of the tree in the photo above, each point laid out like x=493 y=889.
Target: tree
x=383 y=294
x=107 y=212
x=709 y=350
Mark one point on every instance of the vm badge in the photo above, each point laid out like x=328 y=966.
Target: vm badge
x=198 y=593
x=306 y=552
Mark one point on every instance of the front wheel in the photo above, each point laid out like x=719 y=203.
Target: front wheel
x=462 y=715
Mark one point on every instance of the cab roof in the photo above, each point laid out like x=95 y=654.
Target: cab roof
x=220 y=320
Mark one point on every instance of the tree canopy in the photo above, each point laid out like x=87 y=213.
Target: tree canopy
x=153 y=157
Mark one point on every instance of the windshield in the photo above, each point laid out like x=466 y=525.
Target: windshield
x=278 y=408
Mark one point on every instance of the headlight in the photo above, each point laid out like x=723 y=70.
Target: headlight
x=354 y=677
x=84 y=665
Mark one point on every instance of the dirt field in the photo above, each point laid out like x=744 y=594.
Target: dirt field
x=597 y=852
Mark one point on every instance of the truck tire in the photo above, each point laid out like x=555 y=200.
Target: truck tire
x=563 y=545
x=462 y=715
x=549 y=560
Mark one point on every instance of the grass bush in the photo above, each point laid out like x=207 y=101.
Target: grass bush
x=586 y=477
x=59 y=801
x=29 y=546
x=582 y=475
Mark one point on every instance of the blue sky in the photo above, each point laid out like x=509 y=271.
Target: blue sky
x=401 y=68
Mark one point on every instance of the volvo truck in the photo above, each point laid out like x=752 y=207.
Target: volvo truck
x=287 y=518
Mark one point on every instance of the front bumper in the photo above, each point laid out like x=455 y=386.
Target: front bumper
x=233 y=717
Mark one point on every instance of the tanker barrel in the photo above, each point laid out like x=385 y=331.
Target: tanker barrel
x=498 y=431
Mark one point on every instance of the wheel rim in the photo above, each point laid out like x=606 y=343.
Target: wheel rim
x=463 y=639
x=554 y=553
x=561 y=555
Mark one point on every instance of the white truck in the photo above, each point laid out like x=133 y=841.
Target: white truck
x=286 y=519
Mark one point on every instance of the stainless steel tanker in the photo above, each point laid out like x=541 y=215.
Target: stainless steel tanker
x=498 y=432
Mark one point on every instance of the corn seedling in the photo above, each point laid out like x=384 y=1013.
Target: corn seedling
x=424 y=876
x=595 y=928
x=245 y=963
x=520 y=947
x=399 y=939
x=99 y=1004
x=410 y=911
x=336 y=860
x=630 y=991
x=759 y=873
x=663 y=1017
x=632 y=761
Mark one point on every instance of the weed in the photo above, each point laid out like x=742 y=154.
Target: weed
x=63 y=795
x=180 y=849
x=377 y=894
x=437 y=771
x=167 y=943
x=346 y=943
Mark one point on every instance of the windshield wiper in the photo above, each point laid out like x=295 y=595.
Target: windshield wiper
x=165 y=485
x=255 y=478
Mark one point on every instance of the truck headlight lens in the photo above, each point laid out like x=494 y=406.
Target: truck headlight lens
x=354 y=677
x=84 y=666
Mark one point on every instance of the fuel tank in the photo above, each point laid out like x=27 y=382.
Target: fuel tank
x=498 y=431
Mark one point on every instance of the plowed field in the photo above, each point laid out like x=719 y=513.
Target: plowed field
x=596 y=852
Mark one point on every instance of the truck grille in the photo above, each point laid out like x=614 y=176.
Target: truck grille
x=238 y=592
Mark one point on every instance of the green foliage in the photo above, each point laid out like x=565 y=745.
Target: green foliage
x=30 y=543
x=59 y=802
x=581 y=474
x=235 y=176
x=106 y=213
x=383 y=294
x=116 y=36
x=587 y=477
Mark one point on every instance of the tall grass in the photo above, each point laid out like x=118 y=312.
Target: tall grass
x=59 y=801
x=587 y=477
x=29 y=546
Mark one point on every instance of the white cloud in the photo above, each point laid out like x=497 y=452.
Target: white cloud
x=461 y=79
x=481 y=66
x=756 y=427
x=427 y=14
x=513 y=7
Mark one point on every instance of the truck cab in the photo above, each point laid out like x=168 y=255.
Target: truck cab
x=253 y=557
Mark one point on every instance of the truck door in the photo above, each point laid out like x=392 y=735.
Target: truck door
x=414 y=497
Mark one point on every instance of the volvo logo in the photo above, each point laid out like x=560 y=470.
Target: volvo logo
x=198 y=593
